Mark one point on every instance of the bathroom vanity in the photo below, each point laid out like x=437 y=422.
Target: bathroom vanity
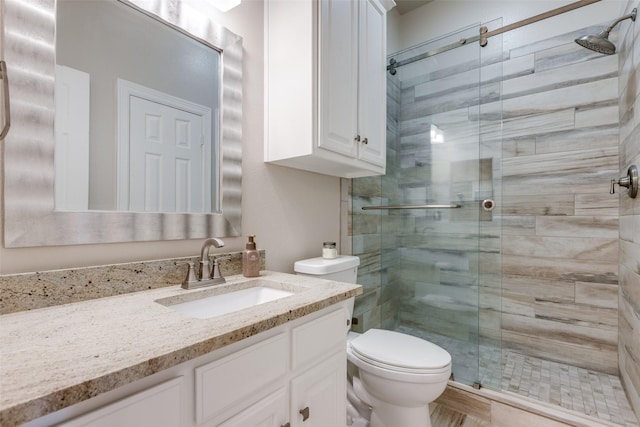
x=136 y=360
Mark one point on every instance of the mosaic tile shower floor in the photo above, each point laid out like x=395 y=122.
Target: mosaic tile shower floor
x=592 y=393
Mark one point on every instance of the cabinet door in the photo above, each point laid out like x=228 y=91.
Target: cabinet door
x=338 y=67
x=269 y=412
x=318 y=397
x=372 y=77
x=225 y=386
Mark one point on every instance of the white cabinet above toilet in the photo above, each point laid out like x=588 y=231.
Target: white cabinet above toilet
x=325 y=86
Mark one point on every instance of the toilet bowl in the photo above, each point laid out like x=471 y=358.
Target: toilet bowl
x=398 y=376
x=392 y=376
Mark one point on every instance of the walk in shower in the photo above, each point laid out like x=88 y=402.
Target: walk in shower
x=492 y=233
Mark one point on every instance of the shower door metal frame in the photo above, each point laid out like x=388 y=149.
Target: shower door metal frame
x=485 y=34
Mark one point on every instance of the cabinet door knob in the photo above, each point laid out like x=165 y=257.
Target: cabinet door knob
x=357 y=138
x=286 y=425
x=305 y=413
x=365 y=141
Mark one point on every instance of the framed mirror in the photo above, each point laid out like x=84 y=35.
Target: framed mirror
x=35 y=212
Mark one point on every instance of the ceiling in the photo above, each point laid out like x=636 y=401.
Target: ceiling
x=404 y=6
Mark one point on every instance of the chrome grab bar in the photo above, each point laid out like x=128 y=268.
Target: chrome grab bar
x=5 y=95
x=451 y=206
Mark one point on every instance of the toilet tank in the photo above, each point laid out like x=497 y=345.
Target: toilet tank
x=342 y=269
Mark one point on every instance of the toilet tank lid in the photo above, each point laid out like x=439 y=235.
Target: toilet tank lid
x=319 y=266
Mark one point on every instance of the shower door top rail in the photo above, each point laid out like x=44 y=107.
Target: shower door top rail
x=485 y=34
x=449 y=206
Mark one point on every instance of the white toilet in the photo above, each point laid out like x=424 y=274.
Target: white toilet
x=392 y=376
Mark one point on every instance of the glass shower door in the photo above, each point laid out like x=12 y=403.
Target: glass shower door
x=432 y=262
x=431 y=239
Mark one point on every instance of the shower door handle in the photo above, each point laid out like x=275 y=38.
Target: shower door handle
x=450 y=206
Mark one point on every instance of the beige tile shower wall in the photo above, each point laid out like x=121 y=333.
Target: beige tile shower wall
x=365 y=229
x=560 y=224
x=629 y=313
x=375 y=308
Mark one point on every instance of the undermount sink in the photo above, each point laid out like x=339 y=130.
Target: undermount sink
x=205 y=305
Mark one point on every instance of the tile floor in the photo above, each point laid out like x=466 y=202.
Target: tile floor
x=442 y=416
x=592 y=393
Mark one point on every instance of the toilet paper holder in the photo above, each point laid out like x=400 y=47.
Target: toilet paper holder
x=630 y=182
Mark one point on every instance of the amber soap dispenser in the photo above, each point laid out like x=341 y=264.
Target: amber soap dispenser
x=251 y=259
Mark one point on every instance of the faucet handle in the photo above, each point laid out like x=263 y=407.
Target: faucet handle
x=191 y=275
x=216 y=274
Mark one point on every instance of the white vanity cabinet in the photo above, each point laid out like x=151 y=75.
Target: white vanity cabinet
x=325 y=86
x=291 y=375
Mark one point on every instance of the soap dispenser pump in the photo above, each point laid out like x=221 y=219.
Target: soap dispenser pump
x=251 y=259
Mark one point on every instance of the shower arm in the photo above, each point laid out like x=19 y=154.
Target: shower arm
x=631 y=16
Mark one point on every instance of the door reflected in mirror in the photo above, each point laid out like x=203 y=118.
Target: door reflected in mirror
x=137 y=120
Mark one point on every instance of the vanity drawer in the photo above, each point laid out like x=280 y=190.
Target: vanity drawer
x=315 y=339
x=159 y=406
x=233 y=380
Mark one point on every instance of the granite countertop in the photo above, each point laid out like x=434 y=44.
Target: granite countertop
x=55 y=357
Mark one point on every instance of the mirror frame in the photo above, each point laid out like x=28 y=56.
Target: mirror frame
x=29 y=216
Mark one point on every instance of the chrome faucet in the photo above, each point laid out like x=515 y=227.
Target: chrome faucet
x=205 y=275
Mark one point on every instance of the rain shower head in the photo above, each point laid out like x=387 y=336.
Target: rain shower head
x=600 y=43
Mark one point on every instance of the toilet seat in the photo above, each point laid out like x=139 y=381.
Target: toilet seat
x=399 y=352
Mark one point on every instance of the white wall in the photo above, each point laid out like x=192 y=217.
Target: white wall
x=291 y=212
x=442 y=17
